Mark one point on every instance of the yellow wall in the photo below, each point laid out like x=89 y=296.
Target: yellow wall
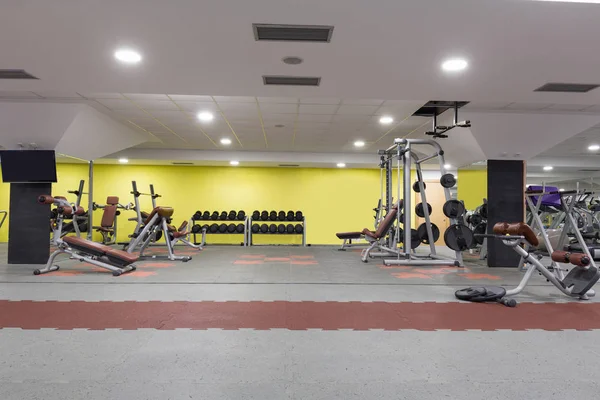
x=333 y=200
x=472 y=187
x=4 y=205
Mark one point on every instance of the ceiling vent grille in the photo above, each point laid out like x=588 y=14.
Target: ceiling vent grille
x=182 y=163
x=291 y=80
x=567 y=87
x=289 y=165
x=15 y=74
x=293 y=33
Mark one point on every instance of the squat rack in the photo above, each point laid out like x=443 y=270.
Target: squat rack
x=403 y=151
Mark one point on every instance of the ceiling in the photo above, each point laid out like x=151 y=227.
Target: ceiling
x=383 y=59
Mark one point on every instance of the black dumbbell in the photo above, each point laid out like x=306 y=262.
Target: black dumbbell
x=206 y=215
x=264 y=228
x=214 y=228
x=256 y=215
x=205 y=227
x=255 y=228
x=231 y=228
x=197 y=216
x=299 y=216
x=289 y=228
x=290 y=215
x=196 y=228
x=214 y=215
x=273 y=215
x=264 y=215
x=241 y=215
x=299 y=228
x=222 y=228
x=232 y=215
x=223 y=215
x=239 y=228
x=281 y=215
x=281 y=228
x=273 y=228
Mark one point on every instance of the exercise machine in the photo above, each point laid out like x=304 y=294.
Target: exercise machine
x=577 y=283
x=108 y=224
x=63 y=210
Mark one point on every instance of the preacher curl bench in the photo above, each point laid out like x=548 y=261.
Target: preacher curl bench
x=577 y=283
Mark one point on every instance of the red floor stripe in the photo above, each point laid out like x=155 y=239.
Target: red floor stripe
x=297 y=315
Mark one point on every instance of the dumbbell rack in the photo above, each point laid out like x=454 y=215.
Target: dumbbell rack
x=245 y=221
x=262 y=221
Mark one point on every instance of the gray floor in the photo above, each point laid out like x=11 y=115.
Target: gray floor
x=281 y=364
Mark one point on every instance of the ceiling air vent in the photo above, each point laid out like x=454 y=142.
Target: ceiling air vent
x=590 y=170
x=291 y=80
x=293 y=33
x=15 y=74
x=182 y=163
x=567 y=87
x=289 y=165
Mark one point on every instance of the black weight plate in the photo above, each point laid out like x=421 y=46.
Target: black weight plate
x=273 y=228
x=414 y=239
x=458 y=237
x=422 y=232
x=289 y=228
x=481 y=294
x=255 y=228
x=281 y=228
x=239 y=228
x=420 y=211
x=448 y=180
x=454 y=209
x=416 y=187
x=222 y=228
x=231 y=228
x=214 y=228
x=264 y=228
x=480 y=229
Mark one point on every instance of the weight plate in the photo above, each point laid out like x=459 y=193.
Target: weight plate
x=481 y=294
x=416 y=187
x=454 y=209
x=480 y=229
x=420 y=211
x=458 y=237
x=422 y=232
x=414 y=239
x=448 y=180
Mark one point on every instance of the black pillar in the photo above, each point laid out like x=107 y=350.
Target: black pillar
x=506 y=203
x=29 y=229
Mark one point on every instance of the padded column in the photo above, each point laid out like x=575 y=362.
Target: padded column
x=506 y=203
x=29 y=229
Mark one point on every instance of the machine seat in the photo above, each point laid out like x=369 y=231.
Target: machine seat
x=349 y=235
x=86 y=246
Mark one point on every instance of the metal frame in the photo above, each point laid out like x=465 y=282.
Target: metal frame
x=245 y=233
x=155 y=224
x=402 y=150
x=250 y=233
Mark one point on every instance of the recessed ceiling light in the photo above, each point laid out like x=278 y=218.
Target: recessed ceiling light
x=128 y=56
x=454 y=65
x=234 y=162
x=386 y=120
x=341 y=165
x=205 y=116
x=593 y=147
x=447 y=166
x=561 y=190
x=226 y=141
x=548 y=168
x=359 y=143
x=123 y=160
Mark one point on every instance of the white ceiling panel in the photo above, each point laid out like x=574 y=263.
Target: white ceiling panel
x=59 y=95
x=528 y=106
x=18 y=95
x=318 y=109
x=195 y=107
x=279 y=100
x=357 y=110
x=228 y=107
x=568 y=107
x=314 y=117
x=350 y=118
x=151 y=105
x=278 y=108
x=362 y=102
x=235 y=99
x=276 y=118
x=194 y=98
x=142 y=96
x=117 y=104
x=314 y=100
x=101 y=95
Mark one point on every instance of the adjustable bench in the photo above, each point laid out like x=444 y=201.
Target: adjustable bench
x=116 y=261
x=577 y=283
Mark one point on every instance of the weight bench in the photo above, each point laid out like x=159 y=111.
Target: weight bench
x=377 y=238
x=116 y=261
x=348 y=237
x=577 y=283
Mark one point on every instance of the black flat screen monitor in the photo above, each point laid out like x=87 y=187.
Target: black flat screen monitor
x=19 y=166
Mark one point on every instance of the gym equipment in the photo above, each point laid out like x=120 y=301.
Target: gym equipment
x=222 y=228
x=439 y=131
x=197 y=216
x=577 y=283
x=273 y=216
x=232 y=215
x=108 y=224
x=299 y=228
x=182 y=234
x=281 y=215
x=289 y=228
x=479 y=230
x=485 y=294
x=223 y=215
x=474 y=219
x=231 y=228
x=241 y=215
x=422 y=233
x=299 y=216
x=206 y=215
x=196 y=228
x=255 y=228
x=290 y=216
x=448 y=181
x=214 y=228
x=414 y=239
x=272 y=228
x=215 y=215
x=256 y=215
x=264 y=216
x=416 y=187
x=240 y=228
x=483 y=210
x=281 y=228
x=453 y=209
x=264 y=228
x=458 y=237
x=63 y=210
x=117 y=261
x=407 y=153
x=420 y=211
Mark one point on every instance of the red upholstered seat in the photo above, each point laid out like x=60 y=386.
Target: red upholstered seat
x=86 y=245
x=121 y=257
